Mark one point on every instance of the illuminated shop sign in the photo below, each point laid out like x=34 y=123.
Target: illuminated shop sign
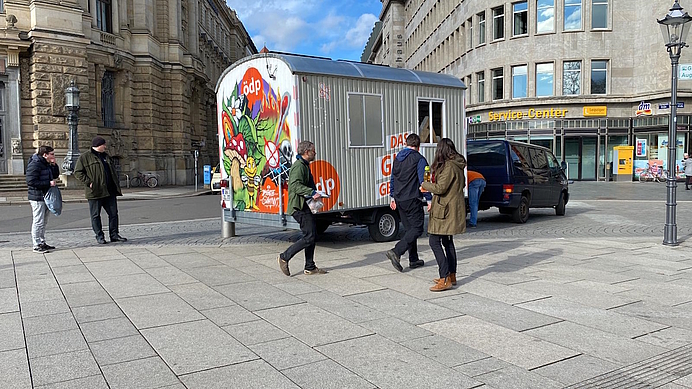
x=595 y=111
x=532 y=113
x=644 y=109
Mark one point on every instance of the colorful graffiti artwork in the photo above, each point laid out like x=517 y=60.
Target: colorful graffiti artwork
x=256 y=141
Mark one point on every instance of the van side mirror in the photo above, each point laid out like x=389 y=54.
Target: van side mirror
x=517 y=164
x=563 y=165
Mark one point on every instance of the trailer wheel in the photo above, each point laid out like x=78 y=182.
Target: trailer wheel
x=386 y=226
x=322 y=226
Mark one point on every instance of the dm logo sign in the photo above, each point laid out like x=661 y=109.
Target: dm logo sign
x=644 y=109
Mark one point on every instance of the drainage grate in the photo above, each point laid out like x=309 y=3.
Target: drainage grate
x=649 y=373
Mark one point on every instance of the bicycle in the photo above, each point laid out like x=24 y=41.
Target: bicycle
x=148 y=179
x=649 y=174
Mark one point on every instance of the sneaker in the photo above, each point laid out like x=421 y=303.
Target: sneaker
x=316 y=270
x=40 y=250
x=47 y=246
x=394 y=259
x=416 y=264
x=283 y=265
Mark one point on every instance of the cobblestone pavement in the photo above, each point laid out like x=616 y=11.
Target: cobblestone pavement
x=582 y=300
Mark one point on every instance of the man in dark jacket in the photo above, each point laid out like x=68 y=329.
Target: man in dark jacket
x=408 y=171
x=95 y=169
x=301 y=186
x=40 y=176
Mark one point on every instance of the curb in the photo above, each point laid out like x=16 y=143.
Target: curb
x=24 y=201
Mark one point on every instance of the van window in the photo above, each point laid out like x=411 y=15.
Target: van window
x=488 y=154
x=552 y=161
x=430 y=123
x=520 y=154
x=365 y=120
x=538 y=159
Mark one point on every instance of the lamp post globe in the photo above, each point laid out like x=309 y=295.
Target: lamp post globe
x=674 y=27
x=72 y=106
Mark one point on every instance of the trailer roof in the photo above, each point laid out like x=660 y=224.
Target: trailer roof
x=326 y=66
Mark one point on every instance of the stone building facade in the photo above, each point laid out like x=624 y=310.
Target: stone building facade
x=578 y=76
x=146 y=70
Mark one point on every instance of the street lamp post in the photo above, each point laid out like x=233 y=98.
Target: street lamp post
x=72 y=106
x=674 y=29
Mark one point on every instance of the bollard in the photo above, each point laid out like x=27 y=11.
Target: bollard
x=227 y=228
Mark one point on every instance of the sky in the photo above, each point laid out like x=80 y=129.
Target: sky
x=338 y=29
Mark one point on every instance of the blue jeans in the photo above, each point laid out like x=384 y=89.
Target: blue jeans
x=476 y=188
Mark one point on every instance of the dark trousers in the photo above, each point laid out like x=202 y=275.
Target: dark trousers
x=412 y=217
x=110 y=204
x=307 y=242
x=687 y=181
x=446 y=262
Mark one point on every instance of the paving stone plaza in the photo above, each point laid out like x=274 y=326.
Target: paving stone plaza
x=591 y=299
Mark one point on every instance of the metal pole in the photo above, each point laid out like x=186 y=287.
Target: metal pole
x=70 y=160
x=196 y=179
x=670 y=232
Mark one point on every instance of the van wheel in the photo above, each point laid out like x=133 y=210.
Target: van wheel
x=521 y=214
x=560 y=207
x=386 y=226
x=322 y=226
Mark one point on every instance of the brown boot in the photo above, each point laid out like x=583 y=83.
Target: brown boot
x=443 y=284
x=452 y=277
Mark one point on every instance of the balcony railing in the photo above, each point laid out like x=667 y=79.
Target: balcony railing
x=108 y=39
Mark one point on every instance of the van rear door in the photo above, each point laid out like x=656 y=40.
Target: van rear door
x=521 y=168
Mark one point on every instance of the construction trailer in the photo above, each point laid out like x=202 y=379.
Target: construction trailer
x=358 y=115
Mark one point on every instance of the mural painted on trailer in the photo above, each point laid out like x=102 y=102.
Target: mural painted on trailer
x=256 y=142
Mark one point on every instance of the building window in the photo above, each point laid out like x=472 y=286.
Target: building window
x=108 y=99
x=545 y=16
x=519 y=80
x=599 y=75
x=498 y=23
x=480 y=76
x=571 y=78
x=599 y=14
x=544 y=79
x=365 y=120
x=481 y=28
x=469 y=36
x=103 y=15
x=498 y=84
x=430 y=123
x=521 y=17
x=572 y=15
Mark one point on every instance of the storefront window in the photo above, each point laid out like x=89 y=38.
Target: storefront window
x=614 y=141
x=545 y=141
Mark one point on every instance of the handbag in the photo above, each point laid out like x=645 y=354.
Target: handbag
x=53 y=200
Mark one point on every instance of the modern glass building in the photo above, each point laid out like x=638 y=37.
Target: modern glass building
x=577 y=76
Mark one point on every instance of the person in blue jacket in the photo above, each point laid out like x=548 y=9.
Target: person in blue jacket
x=41 y=174
x=408 y=171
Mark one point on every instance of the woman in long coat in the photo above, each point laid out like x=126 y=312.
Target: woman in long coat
x=447 y=210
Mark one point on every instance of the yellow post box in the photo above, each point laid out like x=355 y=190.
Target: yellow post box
x=623 y=158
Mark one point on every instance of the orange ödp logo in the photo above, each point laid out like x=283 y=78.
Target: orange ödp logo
x=327 y=181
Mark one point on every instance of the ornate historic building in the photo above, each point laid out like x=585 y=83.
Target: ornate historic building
x=577 y=76
x=146 y=70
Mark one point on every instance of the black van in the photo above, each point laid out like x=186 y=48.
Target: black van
x=518 y=176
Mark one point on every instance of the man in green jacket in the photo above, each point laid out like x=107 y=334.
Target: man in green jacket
x=301 y=186
x=95 y=169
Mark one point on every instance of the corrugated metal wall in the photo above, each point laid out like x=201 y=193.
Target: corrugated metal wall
x=323 y=119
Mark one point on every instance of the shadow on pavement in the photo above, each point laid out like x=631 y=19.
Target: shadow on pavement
x=513 y=263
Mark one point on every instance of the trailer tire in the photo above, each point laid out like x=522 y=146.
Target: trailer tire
x=322 y=225
x=385 y=227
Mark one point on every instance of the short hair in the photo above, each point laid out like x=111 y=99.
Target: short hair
x=43 y=150
x=304 y=146
x=413 y=140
